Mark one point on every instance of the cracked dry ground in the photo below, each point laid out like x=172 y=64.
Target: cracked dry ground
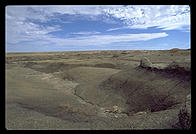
x=91 y=96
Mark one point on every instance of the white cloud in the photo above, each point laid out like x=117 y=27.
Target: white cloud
x=19 y=30
x=44 y=13
x=104 y=39
x=118 y=28
x=162 y=16
x=137 y=16
x=21 y=13
x=30 y=32
x=70 y=9
x=86 y=33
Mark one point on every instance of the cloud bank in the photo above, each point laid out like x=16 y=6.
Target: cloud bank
x=142 y=17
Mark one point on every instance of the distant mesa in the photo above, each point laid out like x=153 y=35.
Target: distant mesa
x=174 y=49
x=177 y=49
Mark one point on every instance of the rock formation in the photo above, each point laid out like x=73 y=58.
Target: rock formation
x=145 y=62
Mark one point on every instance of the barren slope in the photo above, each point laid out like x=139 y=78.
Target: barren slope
x=94 y=90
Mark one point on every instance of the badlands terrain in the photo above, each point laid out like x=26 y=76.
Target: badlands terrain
x=93 y=90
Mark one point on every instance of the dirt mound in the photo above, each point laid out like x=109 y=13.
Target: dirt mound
x=180 y=66
x=145 y=62
x=136 y=52
x=89 y=79
x=175 y=68
x=124 y=52
x=145 y=90
x=173 y=50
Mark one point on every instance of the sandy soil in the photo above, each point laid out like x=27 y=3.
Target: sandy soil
x=94 y=90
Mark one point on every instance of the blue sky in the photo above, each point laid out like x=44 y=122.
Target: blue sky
x=97 y=27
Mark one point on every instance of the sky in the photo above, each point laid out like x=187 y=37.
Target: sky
x=97 y=27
